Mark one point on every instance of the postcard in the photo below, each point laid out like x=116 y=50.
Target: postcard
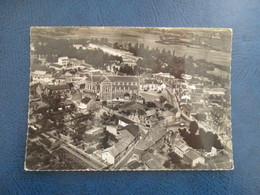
x=129 y=98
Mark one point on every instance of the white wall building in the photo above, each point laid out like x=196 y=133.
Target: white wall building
x=63 y=61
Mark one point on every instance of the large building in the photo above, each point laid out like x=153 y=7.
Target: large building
x=108 y=87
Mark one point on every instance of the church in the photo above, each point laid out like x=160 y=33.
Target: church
x=109 y=87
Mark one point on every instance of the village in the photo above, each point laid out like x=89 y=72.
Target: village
x=83 y=117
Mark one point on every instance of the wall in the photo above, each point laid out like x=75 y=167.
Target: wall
x=17 y=16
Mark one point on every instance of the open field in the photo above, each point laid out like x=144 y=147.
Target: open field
x=134 y=36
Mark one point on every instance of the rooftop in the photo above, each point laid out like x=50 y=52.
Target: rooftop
x=64 y=58
x=133 y=129
x=183 y=147
x=85 y=100
x=39 y=72
x=59 y=87
x=123 y=143
x=191 y=154
x=132 y=105
x=56 y=66
x=114 y=78
x=126 y=120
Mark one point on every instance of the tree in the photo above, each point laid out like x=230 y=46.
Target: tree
x=128 y=70
x=151 y=104
x=104 y=103
x=167 y=164
x=162 y=99
x=194 y=127
x=37 y=61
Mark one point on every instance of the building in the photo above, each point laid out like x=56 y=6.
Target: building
x=39 y=105
x=63 y=61
x=113 y=154
x=112 y=129
x=193 y=158
x=154 y=138
x=122 y=121
x=79 y=46
x=86 y=103
x=180 y=149
x=38 y=75
x=56 y=66
x=150 y=84
x=58 y=89
x=168 y=116
x=109 y=87
x=186 y=108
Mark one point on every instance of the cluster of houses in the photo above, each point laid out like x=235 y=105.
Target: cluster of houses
x=188 y=154
x=82 y=89
x=128 y=135
x=202 y=103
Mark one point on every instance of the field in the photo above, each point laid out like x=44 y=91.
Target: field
x=137 y=36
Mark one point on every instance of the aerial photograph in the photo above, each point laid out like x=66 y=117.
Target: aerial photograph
x=129 y=98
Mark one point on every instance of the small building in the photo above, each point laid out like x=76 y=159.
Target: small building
x=40 y=105
x=180 y=149
x=113 y=154
x=56 y=66
x=58 y=89
x=68 y=104
x=150 y=113
x=78 y=46
x=149 y=84
x=38 y=75
x=63 y=61
x=168 y=116
x=124 y=121
x=111 y=129
x=133 y=129
x=86 y=103
x=193 y=158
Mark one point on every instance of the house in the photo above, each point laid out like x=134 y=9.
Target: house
x=76 y=96
x=58 y=89
x=112 y=129
x=68 y=104
x=127 y=137
x=152 y=162
x=169 y=106
x=133 y=129
x=122 y=121
x=38 y=75
x=63 y=61
x=86 y=103
x=56 y=66
x=193 y=158
x=39 y=105
x=186 y=108
x=180 y=149
x=78 y=46
x=113 y=68
x=150 y=113
x=168 y=116
x=113 y=154
x=149 y=84
x=68 y=77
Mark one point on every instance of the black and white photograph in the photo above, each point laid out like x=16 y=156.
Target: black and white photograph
x=129 y=98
